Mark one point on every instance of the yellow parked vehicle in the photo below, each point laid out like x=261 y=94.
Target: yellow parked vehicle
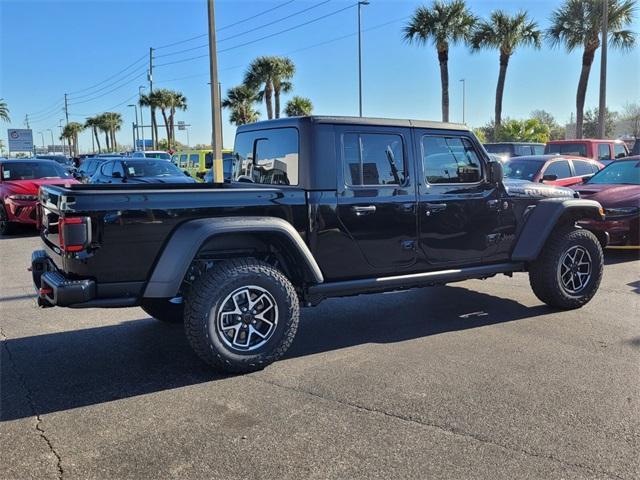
x=198 y=162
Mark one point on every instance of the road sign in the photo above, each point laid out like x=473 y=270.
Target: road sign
x=181 y=125
x=20 y=140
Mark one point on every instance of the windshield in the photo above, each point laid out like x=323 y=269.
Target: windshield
x=151 y=168
x=625 y=172
x=32 y=171
x=578 y=149
x=522 y=170
x=159 y=155
x=497 y=148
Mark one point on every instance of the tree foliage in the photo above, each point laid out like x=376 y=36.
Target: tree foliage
x=4 y=111
x=529 y=130
x=298 y=107
x=241 y=101
x=591 y=123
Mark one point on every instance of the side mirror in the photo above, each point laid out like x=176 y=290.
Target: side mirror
x=116 y=175
x=495 y=173
x=549 y=177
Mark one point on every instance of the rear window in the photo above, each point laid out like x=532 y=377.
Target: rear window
x=522 y=170
x=151 y=168
x=159 y=155
x=577 y=149
x=32 y=170
x=500 y=149
x=267 y=157
x=522 y=150
x=538 y=149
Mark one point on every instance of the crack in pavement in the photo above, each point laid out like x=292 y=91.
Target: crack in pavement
x=444 y=429
x=32 y=404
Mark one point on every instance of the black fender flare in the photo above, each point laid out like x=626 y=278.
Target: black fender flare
x=186 y=240
x=543 y=219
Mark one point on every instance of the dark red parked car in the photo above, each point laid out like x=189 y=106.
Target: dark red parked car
x=551 y=169
x=19 y=184
x=617 y=188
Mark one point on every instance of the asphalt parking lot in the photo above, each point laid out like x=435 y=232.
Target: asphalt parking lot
x=472 y=380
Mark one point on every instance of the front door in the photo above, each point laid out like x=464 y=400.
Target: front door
x=377 y=198
x=459 y=212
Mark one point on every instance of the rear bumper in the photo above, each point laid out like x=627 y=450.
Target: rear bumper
x=56 y=289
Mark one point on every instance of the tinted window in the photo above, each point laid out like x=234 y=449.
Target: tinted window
x=499 y=149
x=577 y=149
x=582 y=168
x=208 y=160
x=625 y=172
x=93 y=166
x=107 y=169
x=522 y=150
x=151 y=168
x=373 y=159
x=522 y=169
x=537 y=149
x=194 y=159
x=619 y=151
x=560 y=169
x=603 y=152
x=32 y=170
x=450 y=160
x=117 y=167
x=267 y=156
x=160 y=155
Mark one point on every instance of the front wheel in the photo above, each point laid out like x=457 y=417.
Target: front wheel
x=241 y=315
x=568 y=271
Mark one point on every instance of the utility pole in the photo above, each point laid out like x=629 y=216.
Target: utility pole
x=602 y=108
x=360 y=3
x=140 y=88
x=26 y=121
x=464 y=100
x=154 y=140
x=66 y=108
x=216 y=124
x=53 y=143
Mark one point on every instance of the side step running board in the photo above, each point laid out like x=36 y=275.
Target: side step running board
x=318 y=292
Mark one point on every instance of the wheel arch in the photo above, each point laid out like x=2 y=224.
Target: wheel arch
x=201 y=237
x=548 y=215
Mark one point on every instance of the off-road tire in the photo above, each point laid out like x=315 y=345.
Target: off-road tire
x=543 y=272
x=163 y=310
x=6 y=227
x=204 y=303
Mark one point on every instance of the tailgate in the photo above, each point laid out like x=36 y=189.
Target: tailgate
x=48 y=216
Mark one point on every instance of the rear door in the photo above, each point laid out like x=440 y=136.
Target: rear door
x=376 y=202
x=459 y=213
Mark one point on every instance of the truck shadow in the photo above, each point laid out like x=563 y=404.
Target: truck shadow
x=60 y=371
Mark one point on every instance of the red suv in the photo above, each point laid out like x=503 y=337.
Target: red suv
x=551 y=169
x=19 y=184
x=596 y=149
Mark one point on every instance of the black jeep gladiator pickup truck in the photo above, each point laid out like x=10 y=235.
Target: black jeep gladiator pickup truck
x=317 y=207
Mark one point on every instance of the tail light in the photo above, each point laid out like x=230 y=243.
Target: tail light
x=74 y=233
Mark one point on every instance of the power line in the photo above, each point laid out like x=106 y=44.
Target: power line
x=135 y=95
x=106 y=86
x=111 y=77
x=286 y=30
x=247 y=31
x=227 y=26
x=35 y=114
x=140 y=74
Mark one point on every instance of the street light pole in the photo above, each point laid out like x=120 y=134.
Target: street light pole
x=216 y=134
x=464 y=85
x=42 y=136
x=61 y=137
x=140 y=88
x=136 y=125
x=360 y=3
x=602 y=108
x=53 y=143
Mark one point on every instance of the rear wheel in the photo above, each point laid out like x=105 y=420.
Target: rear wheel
x=163 y=310
x=6 y=227
x=568 y=271
x=241 y=315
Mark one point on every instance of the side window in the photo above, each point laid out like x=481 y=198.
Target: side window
x=208 y=160
x=107 y=169
x=450 y=160
x=619 y=150
x=373 y=159
x=117 y=167
x=582 y=168
x=194 y=160
x=266 y=156
x=603 y=152
x=183 y=160
x=522 y=150
x=560 y=169
x=537 y=149
x=594 y=167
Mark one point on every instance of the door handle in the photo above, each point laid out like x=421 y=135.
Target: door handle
x=363 y=210
x=434 y=207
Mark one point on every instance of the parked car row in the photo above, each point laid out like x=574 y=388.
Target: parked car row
x=602 y=150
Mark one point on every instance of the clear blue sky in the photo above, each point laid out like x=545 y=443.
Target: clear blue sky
x=57 y=46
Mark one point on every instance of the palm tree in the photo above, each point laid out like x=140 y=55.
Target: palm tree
x=445 y=23
x=168 y=101
x=241 y=100
x=112 y=122
x=506 y=33
x=70 y=133
x=178 y=102
x=150 y=101
x=578 y=23
x=94 y=123
x=298 y=107
x=272 y=75
x=4 y=111
x=102 y=125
